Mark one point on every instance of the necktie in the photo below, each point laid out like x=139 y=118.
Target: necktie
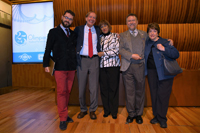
x=133 y=33
x=90 y=49
x=67 y=32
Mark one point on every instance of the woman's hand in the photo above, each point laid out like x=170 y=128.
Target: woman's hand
x=160 y=47
x=171 y=42
x=100 y=54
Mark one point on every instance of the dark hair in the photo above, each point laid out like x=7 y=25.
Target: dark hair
x=131 y=14
x=105 y=22
x=69 y=11
x=153 y=26
x=89 y=14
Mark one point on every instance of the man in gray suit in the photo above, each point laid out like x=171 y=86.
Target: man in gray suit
x=132 y=44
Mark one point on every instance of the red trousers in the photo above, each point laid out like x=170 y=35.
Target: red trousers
x=64 y=81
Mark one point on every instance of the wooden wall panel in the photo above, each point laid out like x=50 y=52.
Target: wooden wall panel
x=184 y=86
x=115 y=11
x=185 y=36
x=189 y=60
x=33 y=75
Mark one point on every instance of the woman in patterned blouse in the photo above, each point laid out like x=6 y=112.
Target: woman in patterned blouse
x=109 y=70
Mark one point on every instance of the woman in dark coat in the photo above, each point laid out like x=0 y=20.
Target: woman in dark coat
x=157 y=48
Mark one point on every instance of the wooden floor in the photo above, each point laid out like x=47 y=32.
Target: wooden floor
x=33 y=110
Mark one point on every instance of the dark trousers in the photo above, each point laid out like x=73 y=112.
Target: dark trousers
x=109 y=86
x=64 y=82
x=160 y=94
x=134 y=82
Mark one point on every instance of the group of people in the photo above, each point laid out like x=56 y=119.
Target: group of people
x=94 y=52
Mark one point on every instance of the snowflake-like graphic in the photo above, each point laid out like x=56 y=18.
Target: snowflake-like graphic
x=25 y=57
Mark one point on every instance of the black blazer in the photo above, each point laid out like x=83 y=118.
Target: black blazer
x=63 y=49
x=80 y=33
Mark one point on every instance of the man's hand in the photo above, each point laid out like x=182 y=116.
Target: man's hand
x=136 y=57
x=171 y=42
x=47 y=69
x=100 y=54
x=160 y=47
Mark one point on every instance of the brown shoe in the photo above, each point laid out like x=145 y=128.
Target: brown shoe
x=81 y=114
x=92 y=115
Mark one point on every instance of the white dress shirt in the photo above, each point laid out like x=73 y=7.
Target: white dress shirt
x=84 y=50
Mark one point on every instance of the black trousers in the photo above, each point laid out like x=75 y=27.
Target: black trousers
x=109 y=87
x=160 y=93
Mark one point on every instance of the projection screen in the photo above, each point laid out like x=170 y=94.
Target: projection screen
x=30 y=25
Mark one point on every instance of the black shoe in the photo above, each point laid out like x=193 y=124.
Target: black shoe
x=63 y=125
x=163 y=124
x=154 y=121
x=81 y=114
x=69 y=120
x=114 y=116
x=139 y=119
x=106 y=114
x=93 y=115
x=129 y=119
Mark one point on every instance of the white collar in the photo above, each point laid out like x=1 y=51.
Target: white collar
x=87 y=28
x=134 y=32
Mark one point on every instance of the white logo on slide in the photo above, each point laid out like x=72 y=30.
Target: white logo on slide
x=40 y=56
x=25 y=57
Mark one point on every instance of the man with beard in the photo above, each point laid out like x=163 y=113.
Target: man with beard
x=61 y=42
x=131 y=48
x=88 y=45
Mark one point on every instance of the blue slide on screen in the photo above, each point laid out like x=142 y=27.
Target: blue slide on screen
x=30 y=26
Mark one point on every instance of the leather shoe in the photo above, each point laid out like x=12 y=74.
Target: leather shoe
x=81 y=114
x=129 y=119
x=69 y=120
x=163 y=125
x=106 y=114
x=63 y=125
x=114 y=116
x=139 y=119
x=93 y=115
x=154 y=121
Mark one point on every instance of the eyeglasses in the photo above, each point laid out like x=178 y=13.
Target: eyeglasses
x=103 y=25
x=68 y=18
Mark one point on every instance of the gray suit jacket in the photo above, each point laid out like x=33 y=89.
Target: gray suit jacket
x=125 y=47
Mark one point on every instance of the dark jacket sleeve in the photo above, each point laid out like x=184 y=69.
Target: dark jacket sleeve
x=170 y=51
x=49 y=48
x=76 y=30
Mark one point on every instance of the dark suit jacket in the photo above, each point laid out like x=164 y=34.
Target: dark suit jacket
x=170 y=53
x=80 y=32
x=63 y=49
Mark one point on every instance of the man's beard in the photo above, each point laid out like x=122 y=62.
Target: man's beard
x=66 y=25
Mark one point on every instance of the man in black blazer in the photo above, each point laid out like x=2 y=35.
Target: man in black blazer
x=88 y=63
x=61 y=42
